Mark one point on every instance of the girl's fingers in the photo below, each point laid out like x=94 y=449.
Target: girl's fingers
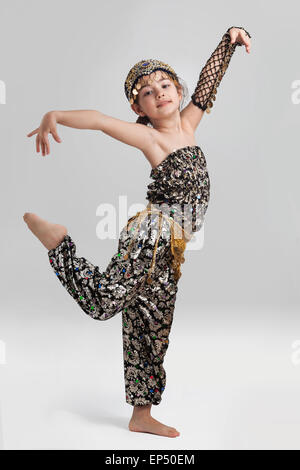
x=56 y=136
x=37 y=143
x=33 y=132
x=242 y=38
x=44 y=140
x=247 y=44
x=233 y=35
x=47 y=146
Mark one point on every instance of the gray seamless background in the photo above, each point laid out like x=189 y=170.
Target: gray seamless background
x=243 y=284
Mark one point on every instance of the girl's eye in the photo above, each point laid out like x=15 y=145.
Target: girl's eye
x=166 y=84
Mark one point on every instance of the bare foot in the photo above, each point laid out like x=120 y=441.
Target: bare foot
x=50 y=235
x=151 y=425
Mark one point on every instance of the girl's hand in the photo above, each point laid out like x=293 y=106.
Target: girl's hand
x=48 y=125
x=239 y=35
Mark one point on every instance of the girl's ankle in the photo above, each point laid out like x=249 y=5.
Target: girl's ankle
x=141 y=412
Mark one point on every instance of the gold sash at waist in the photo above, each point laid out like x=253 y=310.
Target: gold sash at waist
x=179 y=237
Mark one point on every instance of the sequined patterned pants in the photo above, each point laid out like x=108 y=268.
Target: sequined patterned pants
x=147 y=309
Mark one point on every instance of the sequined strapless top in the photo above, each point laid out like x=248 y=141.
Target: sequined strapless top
x=181 y=181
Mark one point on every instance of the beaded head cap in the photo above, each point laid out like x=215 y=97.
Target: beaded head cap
x=144 y=67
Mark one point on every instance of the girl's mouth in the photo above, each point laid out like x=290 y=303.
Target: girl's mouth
x=163 y=104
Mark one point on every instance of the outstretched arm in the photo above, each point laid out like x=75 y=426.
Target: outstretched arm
x=131 y=133
x=212 y=74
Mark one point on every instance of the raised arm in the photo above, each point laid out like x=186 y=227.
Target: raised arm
x=212 y=74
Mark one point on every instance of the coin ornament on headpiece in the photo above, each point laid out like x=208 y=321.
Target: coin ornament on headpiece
x=144 y=67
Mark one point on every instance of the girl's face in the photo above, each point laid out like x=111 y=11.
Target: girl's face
x=153 y=96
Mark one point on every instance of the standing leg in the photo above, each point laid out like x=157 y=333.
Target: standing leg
x=146 y=328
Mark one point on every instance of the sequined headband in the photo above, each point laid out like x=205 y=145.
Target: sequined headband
x=144 y=67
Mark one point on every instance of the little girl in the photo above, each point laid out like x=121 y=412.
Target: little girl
x=141 y=280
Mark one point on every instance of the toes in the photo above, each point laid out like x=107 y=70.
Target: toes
x=29 y=217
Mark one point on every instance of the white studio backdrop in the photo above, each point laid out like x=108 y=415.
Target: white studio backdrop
x=243 y=281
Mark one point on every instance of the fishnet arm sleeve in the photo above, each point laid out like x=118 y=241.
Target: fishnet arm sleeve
x=213 y=72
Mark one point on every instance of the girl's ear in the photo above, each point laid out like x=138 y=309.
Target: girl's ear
x=136 y=108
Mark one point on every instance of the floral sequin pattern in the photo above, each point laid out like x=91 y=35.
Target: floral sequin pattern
x=182 y=182
x=146 y=334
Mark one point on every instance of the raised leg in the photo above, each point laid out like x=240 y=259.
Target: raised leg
x=50 y=235
x=104 y=294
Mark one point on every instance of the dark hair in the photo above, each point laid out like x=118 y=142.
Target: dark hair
x=180 y=85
